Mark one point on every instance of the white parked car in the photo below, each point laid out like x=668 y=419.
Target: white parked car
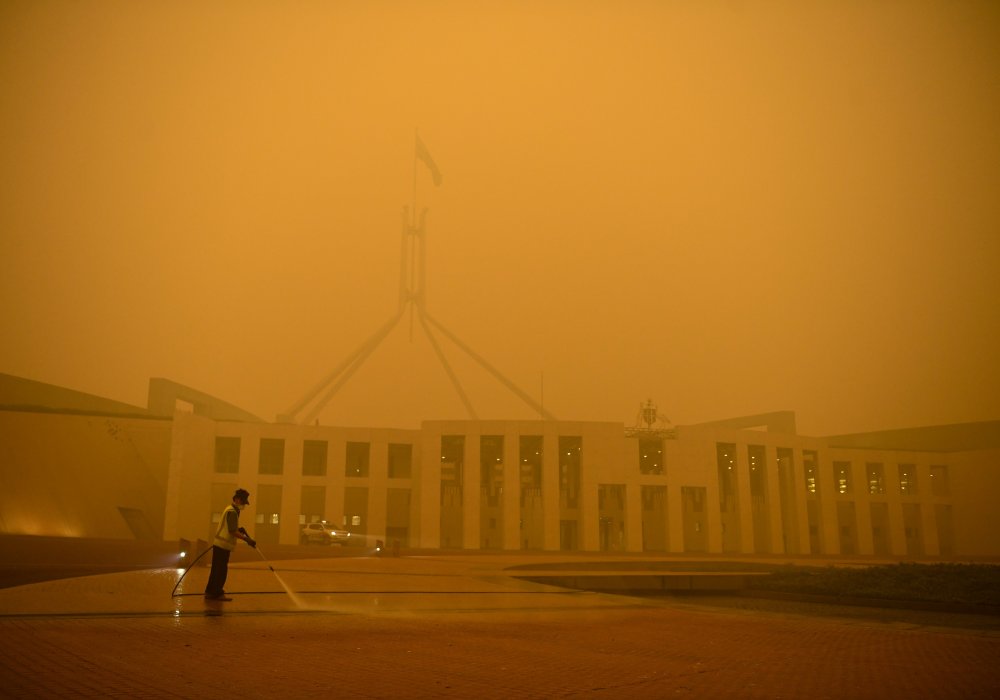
x=323 y=533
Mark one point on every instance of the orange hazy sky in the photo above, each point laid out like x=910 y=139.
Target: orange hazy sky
x=728 y=207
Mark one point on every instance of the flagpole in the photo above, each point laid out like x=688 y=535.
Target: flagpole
x=413 y=223
x=413 y=213
x=541 y=409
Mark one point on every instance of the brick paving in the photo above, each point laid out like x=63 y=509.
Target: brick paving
x=461 y=629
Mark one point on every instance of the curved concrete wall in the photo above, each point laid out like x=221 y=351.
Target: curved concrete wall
x=83 y=475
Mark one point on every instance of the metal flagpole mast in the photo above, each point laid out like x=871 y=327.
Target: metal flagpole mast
x=412 y=278
x=413 y=212
x=412 y=229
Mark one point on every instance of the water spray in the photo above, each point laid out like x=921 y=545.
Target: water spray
x=289 y=591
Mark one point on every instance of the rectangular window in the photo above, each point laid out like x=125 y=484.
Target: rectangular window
x=530 y=454
x=491 y=491
x=491 y=469
x=222 y=496
x=757 y=455
x=227 y=455
x=940 y=485
x=787 y=502
x=945 y=528
x=876 y=478
x=452 y=494
x=694 y=498
x=400 y=461
x=810 y=462
x=759 y=501
x=272 y=456
x=452 y=459
x=397 y=516
x=654 y=497
x=268 y=513
x=842 y=477
x=725 y=453
x=312 y=504
x=314 y=458
x=611 y=509
x=650 y=456
x=570 y=461
x=913 y=529
x=908 y=479
x=357 y=459
x=356 y=509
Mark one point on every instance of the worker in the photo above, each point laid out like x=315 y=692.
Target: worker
x=224 y=544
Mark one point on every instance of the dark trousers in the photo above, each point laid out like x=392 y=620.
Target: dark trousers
x=220 y=570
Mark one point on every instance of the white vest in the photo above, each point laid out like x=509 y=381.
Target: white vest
x=224 y=538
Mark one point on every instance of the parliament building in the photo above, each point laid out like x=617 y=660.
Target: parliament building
x=78 y=465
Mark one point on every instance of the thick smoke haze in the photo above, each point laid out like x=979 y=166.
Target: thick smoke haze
x=729 y=207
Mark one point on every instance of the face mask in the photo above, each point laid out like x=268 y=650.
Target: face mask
x=240 y=506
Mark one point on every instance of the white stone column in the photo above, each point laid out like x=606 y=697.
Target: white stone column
x=291 y=489
x=550 y=487
x=675 y=517
x=471 y=492
x=799 y=497
x=928 y=523
x=590 y=519
x=378 y=483
x=336 y=479
x=511 y=488
x=863 y=518
x=430 y=489
x=830 y=527
x=744 y=499
x=773 y=484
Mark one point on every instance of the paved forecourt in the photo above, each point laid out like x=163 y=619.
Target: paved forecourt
x=459 y=626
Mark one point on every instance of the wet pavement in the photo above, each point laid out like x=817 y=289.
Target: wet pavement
x=463 y=626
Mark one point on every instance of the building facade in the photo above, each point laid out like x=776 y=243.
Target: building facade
x=77 y=465
x=583 y=487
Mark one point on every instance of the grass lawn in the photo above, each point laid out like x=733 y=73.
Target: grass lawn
x=972 y=584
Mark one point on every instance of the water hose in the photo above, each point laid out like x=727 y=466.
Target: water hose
x=173 y=593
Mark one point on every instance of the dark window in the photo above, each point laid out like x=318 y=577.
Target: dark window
x=227 y=455
x=312 y=505
x=940 y=485
x=725 y=453
x=491 y=463
x=876 y=478
x=400 y=461
x=757 y=455
x=272 y=456
x=842 y=477
x=570 y=460
x=810 y=461
x=650 y=456
x=531 y=461
x=908 y=479
x=357 y=459
x=314 y=458
x=452 y=459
